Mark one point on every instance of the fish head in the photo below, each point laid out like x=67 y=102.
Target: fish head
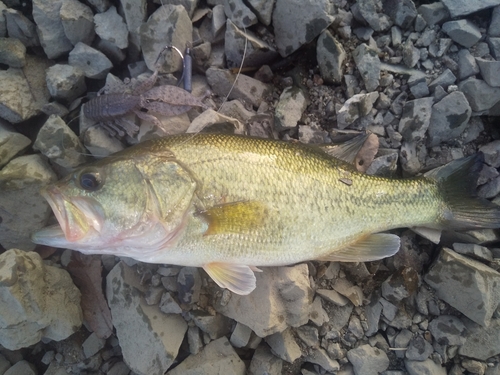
x=126 y=205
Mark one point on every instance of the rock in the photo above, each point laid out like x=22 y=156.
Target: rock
x=21 y=204
x=12 y=52
x=463 y=32
x=240 y=336
x=258 y=53
x=284 y=346
x=444 y=80
x=20 y=27
x=12 y=143
x=263 y=362
x=31 y=311
x=466 y=284
x=479 y=94
x=368 y=64
x=46 y=14
x=331 y=56
x=474 y=367
x=291 y=105
x=169 y=305
x=16 y=100
x=281 y=299
x=58 y=142
x=467 y=65
x=100 y=143
x=481 y=343
x=402 y=341
x=317 y=313
x=490 y=70
x=22 y=368
x=411 y=55
x=134 y=12
x=474 y=251
x=77 y=21
x=320 y=357
x=298 y=22
x=494 y=29
x=245 y=88
x=427 y=367
x=92 y=345
x=494 y=46
x=218 y=357
x=333 y=297
x=371 y=11
x=448 y=330
x=141 y=328
x=239 y=13
x=463 y=7
x=353 y=292
x=65 y=82
x=367 y=360
x=434 y=13
x=449 y=118
x=263 y=10
x=419 y=349
x=92 y=62
x=354 y=108
x=189 y=285
x=491 y=153
x=214 y=326
x=110 y=26
x=415 y=119
x=403 y=13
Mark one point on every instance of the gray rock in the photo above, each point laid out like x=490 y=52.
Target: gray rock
x=246 y=88
x=409 y=157
x=189 y=285
x=434 y=13
x=491 y=153
x=401 y=341
x=368 y=64
x=169 y=305
x=354 y=108
x=92 y=62
x=467 y=65
x=463 y=32
x=100 y=143
x=290 y=107
x=60 y=144
x=427 y=367
x=35 y=72
x=46 y=14
x=22 y=368
x=298 y=22
x=463 y=7
x=92 y=345
x=3 y=22
x=65 y=82
x=317 y=313
x=330 y=56
x=257 y=52
x=12 y=52
x=347 y=289
x=100 y=5
x=444 y=80
x=466 y=284
x=214 y=326
x=372 y=13
x=77 y=21
x=355 y=327
x=474 y=251
x=367 y=360
x=415 y=119
x=494 y=29
x=394 y=289
x=320 y=357
x=134 y=12
x=12 y=143
x=141 y=328
x=168 y=25
x=449 y=118
x=403 y=13
x=420 y=23
x=396 y=36
x=448 y=330
x=20 y=27
x=494 y=47
x=479 y=94
x=240 y=336
x=218 y=21
x=363 y=33
x=281 y=299
x=109 y=26
x=21 y=204
x=263 y=10
x=284 y=346
x=490 y=70
x=411 y=55
x=16 y=99
x=216 y=358
x=264 y=362
x=333 y=296
x=420 y=90
x=239 y=13
x=481 y=343
x=419 y=349
x=31 y=310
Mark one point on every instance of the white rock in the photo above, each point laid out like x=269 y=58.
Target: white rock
x=290 y=107
x=16 y=100
x=77 y=21
x=331 y=56
x=367 y=360
x=65 y=82
x=12 y=52
x=92 y=62
x=264 y=362
x=284 y=346
x=11 y=143
x=111 y=27
x=427 y=367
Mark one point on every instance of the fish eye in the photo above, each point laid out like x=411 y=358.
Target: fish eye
x=90 y=180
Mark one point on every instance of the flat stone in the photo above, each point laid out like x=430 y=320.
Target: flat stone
x=494 y=29
x=401 y=341
x=448 y=330
x=347 y=289
x=320 y=357
x=466 y=284
x=463 y=7
x=65 y=82
x=21 y=368
x=463 y=32
x=355 y=107
x=420 y=90
x=411 y=55
x=490 y=70
x=403 y=13
x=298 y=22
x=427 y=367
x=218 y=357
x=479 y=94
x=263 y=10
x=333 y=297
x=291 y=105
x=134 y=13
x=264 y=362
x=21 y=204
x=189 y=285
x=20 y=27
x=367 y=360
x=284 y=346
x=215 y=326
x=444 y=80
x=92 y=345
x=419 y=349
x=77 y=21
x=434 y=13
x=110 y=26
x=12 y=143
x=17 y=103
x=474 y=251
x=415 y=119
x=368 y=64
x=372 y=12
x=99 y=143
x=12 y=52
x=481 y=343
x=491 y=153
x=317 y=314
x=239 y=13
x=467 y=65
x=31 y=310
x=240 y=335
x=92 y=62
x=330 y=56
x=282 y=298
x=169 y=305
x=494 y=47
x=141 y=328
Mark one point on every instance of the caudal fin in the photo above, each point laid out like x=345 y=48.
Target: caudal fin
x=457 y=181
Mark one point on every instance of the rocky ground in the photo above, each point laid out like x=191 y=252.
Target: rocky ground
x=423 y=76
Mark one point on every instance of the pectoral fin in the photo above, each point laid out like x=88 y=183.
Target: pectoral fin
x=236 y=217
x=373 y=247
x=237 y=278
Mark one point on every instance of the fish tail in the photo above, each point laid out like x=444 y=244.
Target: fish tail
x=464 y=209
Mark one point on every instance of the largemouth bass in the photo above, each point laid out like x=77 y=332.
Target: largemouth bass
x=230 y=204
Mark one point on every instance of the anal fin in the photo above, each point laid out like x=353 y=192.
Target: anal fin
x=239 y=279
x=373 y=247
